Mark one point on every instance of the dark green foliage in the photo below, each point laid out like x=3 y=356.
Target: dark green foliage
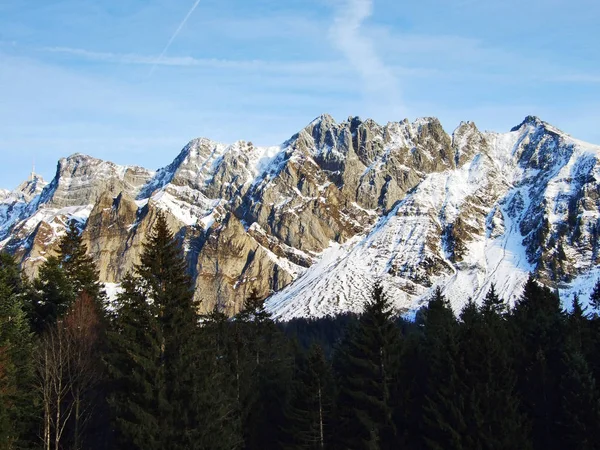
x=61 y=279
x=16 y=365
x=214 y=397
x=10 y=274
x=262 y=368
x=579 y=327
x=579 y=413
x=325 y=331
x=164 y=281
x=539 y=333
x=155 y=337
x=595 y=297
x=444 y=421
x=310 y=411
x=78 y=266
x=52 y=295
x=367 y=370
x=491 y=407
x=493 y=306
x=493 y=378
x=138 y=394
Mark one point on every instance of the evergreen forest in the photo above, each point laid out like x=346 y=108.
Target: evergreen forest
x=148 y=372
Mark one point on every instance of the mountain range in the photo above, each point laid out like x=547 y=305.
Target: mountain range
x=315 y=222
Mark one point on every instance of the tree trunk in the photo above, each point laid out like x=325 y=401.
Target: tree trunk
x=321 y=434
x=76 y=443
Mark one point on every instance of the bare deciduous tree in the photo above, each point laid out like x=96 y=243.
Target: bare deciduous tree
x=68 y=370
x=83 y=327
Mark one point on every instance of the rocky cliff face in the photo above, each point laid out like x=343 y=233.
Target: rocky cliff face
x=315 y=221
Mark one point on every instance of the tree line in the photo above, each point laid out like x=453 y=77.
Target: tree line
x=147 y=371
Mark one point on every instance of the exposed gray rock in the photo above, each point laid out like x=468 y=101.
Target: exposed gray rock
x=404 y=202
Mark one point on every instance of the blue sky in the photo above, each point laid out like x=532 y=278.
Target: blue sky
x=87 y=76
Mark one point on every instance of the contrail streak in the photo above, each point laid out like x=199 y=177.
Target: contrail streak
x=181 y=25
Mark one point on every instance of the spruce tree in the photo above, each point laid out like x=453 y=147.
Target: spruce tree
x=595 y=297
x=444 y=424
x=591 y=338
x=214 y=396
x=367 y=372
x=492 y=412
x=493 y=304
x=579 y=331
x=311 y=405
x=539 y=332
x=79 y=267
x=158 y=309
x=16 y=368
x=262 y=369
x=138 y=395
x=578 y=420
x=51 y=296
x=63 y=278
x=80 y=272
x=165 y=282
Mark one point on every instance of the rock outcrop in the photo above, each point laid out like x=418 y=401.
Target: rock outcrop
x=315 y=221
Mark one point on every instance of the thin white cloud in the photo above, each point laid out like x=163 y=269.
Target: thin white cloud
x=347 y=36
x=177 y=31
x=322 y=69
x=292 y=67
x=124 y=58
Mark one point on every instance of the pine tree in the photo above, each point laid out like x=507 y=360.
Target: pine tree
x=591 y=337
x=215 y=394
x=367 y=370
x=62 y=279
x=158 y=309
x=16 y=370
x=163 y=273
x=578 y=421
x=414 y=369
x=88 y=299
x=311 y=405
x=138 y=395
x=492 y=303
x=52 y=295
x=539 y=332
x=444 y=424
x=595 y=297
x=579 y=327
x=262 y=370
x=79 y=267
x=492 y=413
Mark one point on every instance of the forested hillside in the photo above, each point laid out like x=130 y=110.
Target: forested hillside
x=147 y=371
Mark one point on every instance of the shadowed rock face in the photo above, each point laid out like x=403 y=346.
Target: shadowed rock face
x=252 y=218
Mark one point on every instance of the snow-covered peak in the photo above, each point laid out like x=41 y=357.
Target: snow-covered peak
x=534 y=125
x=347 y=203
x=530 y=121
x=465 y=127
x=25 y=192
x=322 y=119
x=425 y=121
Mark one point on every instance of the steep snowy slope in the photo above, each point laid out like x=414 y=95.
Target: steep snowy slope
x=317 y=220
x=494 y=219
x=14 y=203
